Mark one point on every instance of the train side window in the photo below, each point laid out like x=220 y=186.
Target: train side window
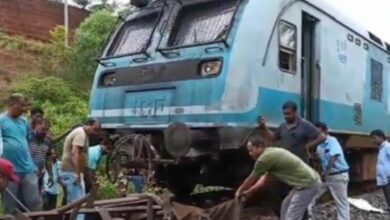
x=376 y=80
x=287 y=47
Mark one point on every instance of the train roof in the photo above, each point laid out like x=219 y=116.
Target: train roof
x=349 y=22
x=335 y=14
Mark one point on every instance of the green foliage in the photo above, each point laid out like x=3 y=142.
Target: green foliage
x=106 y=190
x=49 y=89
x=54 y=59
x=74 y=64
x=63 y=117
x=17 y=44
x=62 y=106
x=89 y=41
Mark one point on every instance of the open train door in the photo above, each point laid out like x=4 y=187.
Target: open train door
x=311 y=69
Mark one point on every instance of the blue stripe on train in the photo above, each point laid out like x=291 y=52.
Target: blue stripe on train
x=337 y=116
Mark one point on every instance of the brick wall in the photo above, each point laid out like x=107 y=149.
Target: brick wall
x=35 y=18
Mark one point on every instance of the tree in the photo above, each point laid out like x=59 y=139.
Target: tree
x=126 y=11
x=103 y=5
x=82 y=3
x=63 y=106
x=88 y=44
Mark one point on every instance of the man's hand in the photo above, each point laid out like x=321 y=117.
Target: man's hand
x=246 y=195
x=50 y=182
x=238 y=194
x=323 y=178
x=261 y=121
x=39 y=173
x=77 y=181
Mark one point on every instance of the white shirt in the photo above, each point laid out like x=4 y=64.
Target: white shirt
x=54 y=189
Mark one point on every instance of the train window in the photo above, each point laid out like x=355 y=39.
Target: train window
x=133 y=36
x=350 y=37
x=375 y=38
x=387 y=47
x=202 y=23
x=287 y=46
x=358 y=42
x=366 y=47
x=376 y=80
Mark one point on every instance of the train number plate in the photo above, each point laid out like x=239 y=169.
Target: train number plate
x=148 y=106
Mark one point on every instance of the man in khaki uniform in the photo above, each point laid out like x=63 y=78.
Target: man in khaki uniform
x=74 y=160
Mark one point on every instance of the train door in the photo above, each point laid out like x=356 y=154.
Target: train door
x=310 y=68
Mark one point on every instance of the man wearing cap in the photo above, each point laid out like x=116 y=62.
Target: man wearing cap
x=6 y=174
x=14 y=133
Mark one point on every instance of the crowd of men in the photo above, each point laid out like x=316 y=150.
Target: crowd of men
x=31 y=173
x=300 y=185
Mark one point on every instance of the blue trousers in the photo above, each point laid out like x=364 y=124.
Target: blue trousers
x=73 y=191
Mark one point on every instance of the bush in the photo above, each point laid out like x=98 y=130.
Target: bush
x=62 y=106
x=48 y=89
x=88 y=43
x=63 y=117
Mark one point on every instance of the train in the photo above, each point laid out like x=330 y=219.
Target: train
x=190 y=77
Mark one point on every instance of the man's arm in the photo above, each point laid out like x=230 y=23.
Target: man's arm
x=266 y=132
x=330 y=165
x=76 y=151
x=315 y=135
x=249 y=181
x=259 y=184
x=49 y=167
x=335 y=150
x=260 y=168
x=318 y=140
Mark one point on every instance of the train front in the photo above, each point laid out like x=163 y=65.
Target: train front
x=162 y=76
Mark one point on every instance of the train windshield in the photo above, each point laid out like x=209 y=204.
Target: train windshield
x=133 y=36
x=202 y=23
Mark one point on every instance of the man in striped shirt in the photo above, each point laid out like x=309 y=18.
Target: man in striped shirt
x=39 y=147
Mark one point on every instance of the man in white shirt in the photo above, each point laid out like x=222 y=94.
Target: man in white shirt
x=51 y=185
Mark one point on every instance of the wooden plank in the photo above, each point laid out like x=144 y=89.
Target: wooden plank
x=104 y=214
x=120 y=200
x=93 y=210
x=76 y=203
x=149 y=210
x=74 y=213
x=120 y=209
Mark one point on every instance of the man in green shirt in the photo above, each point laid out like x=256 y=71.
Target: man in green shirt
x=286 y=167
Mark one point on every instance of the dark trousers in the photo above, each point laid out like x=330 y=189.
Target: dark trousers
x=386 y=192
x=88 y=184
x=40 y=183
x=49 y=201
x=63 y=202
x=88 y=180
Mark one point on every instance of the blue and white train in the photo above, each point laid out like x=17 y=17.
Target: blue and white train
x=194 y=75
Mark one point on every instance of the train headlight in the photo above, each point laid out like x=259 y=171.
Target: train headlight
x=109 y=79
x=210 y=68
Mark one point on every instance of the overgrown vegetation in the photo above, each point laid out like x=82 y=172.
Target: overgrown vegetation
x=61 y=82
x=59 y=78
x=16 y=43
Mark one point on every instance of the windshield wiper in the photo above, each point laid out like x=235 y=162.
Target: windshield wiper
x=195 y=34
x=222 y=32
